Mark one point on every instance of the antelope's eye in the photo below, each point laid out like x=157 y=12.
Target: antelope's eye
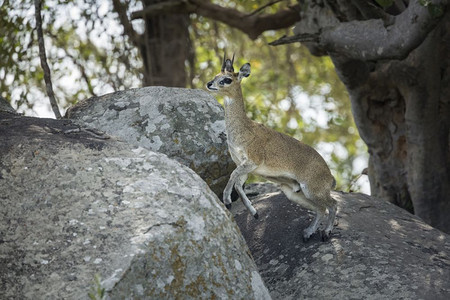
x=225 y=81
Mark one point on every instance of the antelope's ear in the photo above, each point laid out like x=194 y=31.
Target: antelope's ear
x=244 y=71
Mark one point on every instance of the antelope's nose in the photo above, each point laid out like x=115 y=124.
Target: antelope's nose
x=209 y=84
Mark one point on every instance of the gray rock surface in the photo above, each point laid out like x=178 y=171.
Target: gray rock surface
x=5 y=106
x=377 y=251
x=75 y=204
x=185 y=124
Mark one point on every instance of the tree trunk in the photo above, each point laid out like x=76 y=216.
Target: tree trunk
x=402 y=112
x=165 y=49
x=165 y=45
x=395 y=63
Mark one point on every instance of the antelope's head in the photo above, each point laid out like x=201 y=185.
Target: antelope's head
x=227 y=81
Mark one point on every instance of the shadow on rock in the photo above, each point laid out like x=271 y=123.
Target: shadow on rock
x=376 y=251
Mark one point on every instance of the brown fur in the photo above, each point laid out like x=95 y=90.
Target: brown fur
x=302 y=173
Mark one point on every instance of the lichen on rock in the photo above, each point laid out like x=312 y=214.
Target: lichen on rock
x=186 y=125
x=75 y=206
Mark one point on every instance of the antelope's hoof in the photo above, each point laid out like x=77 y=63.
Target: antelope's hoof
x=324 y=235
x=228 y=206
x=256 y=216
x=307 y=235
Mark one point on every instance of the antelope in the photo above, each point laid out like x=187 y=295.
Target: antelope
x=299 y=170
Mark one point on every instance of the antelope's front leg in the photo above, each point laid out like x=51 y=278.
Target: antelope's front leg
x=239 y=188
x=227 y=193
x=240 y=172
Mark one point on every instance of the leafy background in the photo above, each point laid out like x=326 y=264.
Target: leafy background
x=289 y=89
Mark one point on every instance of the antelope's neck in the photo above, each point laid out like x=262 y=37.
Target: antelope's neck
x=236 y=120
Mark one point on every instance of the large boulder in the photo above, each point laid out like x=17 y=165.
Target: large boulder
x=75 y=204
x=185 y=124
x=376 y=251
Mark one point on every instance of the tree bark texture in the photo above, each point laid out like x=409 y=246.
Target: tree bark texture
x=166 y=48
x=401 y=106
x=43 y=58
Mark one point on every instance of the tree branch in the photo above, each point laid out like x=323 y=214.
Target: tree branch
x=302 y=37
x=43 y=57
x=369 y=10
x=263 y=7
x=83 y=72
x=121 y=9
x=251 y=24
x=166 y=7
x=373 y=40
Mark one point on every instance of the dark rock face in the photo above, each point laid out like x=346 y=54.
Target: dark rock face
x=376 y=251
x=75 y=204
x=186 y=125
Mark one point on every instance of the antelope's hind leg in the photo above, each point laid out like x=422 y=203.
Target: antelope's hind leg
x=312 y=228
x=332 y=209
x=300 y=198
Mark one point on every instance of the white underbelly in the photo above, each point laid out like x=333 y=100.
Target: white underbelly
x=278 y=176
x=270 y=172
